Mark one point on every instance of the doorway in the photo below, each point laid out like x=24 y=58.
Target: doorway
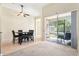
x=38 y=29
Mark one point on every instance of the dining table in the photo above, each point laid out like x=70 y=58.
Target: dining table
x=23 y=36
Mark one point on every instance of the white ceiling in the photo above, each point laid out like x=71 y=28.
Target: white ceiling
x=34 y=9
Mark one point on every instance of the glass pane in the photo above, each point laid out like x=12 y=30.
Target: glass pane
x=68 y=24
x=68 y=30
x=52 y=30
x=61 y=29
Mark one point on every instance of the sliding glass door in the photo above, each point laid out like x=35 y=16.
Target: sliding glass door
x=58 y=27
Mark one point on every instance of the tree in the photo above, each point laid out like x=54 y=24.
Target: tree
x=60 y=24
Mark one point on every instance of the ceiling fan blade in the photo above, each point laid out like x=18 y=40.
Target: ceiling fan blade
x=27 y=14
x=24 y=15
x=19 y=13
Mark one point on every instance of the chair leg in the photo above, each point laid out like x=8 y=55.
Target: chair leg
x=20 y=41
x=32 y=38
x=27 y=38
x=13 y=40
x=24 y=38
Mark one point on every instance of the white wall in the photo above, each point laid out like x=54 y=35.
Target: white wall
x=9 y=22
x=0 y=34
x=52 y=9
x=0 y=19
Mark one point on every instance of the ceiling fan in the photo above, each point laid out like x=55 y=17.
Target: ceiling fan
x=22 y=13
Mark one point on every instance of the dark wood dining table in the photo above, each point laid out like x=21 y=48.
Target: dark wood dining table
x=21 y=37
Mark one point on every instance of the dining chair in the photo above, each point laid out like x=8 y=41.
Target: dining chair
x=20 y=30
x=20 y=33
x=26 y=35
x=67 y=37
x=14 y=36
x=31 y=36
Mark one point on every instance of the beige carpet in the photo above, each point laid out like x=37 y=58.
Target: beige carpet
x=8 y=48
x=45 y=48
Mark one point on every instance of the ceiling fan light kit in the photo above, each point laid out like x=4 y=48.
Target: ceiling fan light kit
x=22 y=13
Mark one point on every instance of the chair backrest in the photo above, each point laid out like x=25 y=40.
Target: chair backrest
x=20 y=32
x=67 y=36
x=13 y=32
x=31 y=32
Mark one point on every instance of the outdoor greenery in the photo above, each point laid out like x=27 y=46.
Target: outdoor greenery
x=63 y=25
